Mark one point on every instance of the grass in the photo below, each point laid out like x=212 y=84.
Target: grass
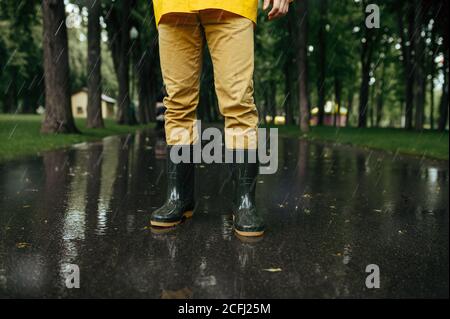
x=20 y=135
x=431 y=144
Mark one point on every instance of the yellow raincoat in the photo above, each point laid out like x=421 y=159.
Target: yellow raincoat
x=245 y=8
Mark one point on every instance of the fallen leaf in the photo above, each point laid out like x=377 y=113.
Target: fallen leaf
x=273 y=269
x=23 y=245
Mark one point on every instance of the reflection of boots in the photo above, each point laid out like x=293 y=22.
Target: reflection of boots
x=180 y=194
x=247 y=221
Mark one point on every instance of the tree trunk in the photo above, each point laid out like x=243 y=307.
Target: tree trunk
x=147 y=83
x=321 y=88
x=118 y=23
x=419 y=66
x=443 y=108
x=213 y=102
x=31 y=99
x=432 y=106
x=407 y=61
x=364 y=91
x=288 y=109
x=10 y=103
x=349 y=108
x=380 y=102
x=206 y=89
x=291 y=60
x=371 y=108
x=380 y=95
x=123 y=75
x=94 y=107
x=338 y=99
x=432 y=71
x=146 y=65
x=366 y=58
x=58 y=110
x=204 y=107
x=272 y=97
x=302 y=58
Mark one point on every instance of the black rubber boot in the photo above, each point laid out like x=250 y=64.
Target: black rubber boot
x=180 y=194
x=247 y=222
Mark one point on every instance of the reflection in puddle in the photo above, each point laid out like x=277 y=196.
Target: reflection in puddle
x=101 y=220
x=203 y=280
x=330 y=212
x=432 y=175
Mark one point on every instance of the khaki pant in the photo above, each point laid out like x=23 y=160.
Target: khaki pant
x=230 y=41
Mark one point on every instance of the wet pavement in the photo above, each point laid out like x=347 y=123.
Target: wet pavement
x=330 y=210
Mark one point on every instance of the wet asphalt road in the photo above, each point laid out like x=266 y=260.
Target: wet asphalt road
x=331 y=211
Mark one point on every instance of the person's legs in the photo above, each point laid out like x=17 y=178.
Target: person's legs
x=181 y=43
x=231 y=44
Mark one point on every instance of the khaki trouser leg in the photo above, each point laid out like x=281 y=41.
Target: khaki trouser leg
x=230 y=41
x=181 y=45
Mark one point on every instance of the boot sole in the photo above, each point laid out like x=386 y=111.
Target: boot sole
x=186 y=215
x=249 y=233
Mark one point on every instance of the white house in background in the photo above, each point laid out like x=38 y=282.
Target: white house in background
x=80 y=101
